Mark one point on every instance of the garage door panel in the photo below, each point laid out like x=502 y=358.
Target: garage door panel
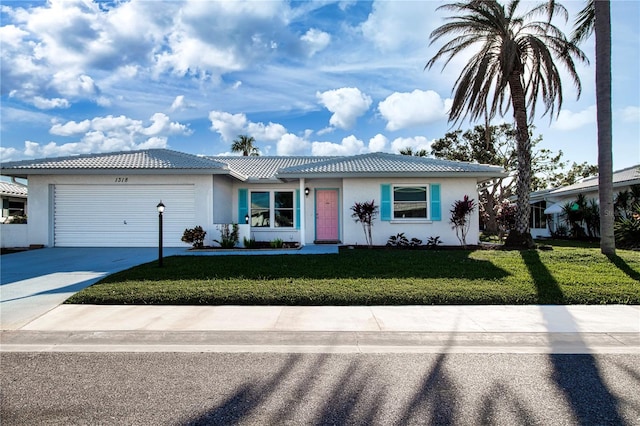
x=121 y=216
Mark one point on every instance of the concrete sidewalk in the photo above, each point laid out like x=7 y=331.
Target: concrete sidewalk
x=484 y=329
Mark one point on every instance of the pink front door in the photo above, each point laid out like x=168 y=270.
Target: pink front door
x=327 y=215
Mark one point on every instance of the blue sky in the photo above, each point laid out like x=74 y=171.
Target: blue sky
x=302 y=78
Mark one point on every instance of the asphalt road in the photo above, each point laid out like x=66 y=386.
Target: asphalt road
x=276 y=389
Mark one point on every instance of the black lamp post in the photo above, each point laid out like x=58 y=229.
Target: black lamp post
x=160 y=207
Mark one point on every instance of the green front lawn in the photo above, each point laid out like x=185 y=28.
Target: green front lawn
x=379 y=277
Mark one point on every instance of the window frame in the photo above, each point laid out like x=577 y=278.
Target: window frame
x=427 y=202
x=272 y=209
x=537 y=216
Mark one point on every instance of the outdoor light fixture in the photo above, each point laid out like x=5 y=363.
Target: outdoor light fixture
x=306 y=192
x=160 y=208
x=246 y=219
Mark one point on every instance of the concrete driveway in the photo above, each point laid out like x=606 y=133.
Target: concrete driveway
x=36 y=281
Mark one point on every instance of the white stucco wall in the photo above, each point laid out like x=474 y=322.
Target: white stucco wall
x=14 y=235
x=358 y=190
x=223 y=210
x=40 y=224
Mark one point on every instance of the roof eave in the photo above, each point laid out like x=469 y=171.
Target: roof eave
x=560 y=192
x=25 y=172
x=398 y=174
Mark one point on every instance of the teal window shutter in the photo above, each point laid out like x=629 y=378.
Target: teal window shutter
x=435 y=202
x=297 y=209
x=243 y=204
x=385 y=202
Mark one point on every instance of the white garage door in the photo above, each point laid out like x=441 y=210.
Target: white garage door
x=121 y=215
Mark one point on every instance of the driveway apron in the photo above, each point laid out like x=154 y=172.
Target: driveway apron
x=36 y=281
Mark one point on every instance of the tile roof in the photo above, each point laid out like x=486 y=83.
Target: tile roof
x=264 y=167
x=144 y=159
x=628 y=176
x=15 y=189
x=384 y=164
x=255 y=168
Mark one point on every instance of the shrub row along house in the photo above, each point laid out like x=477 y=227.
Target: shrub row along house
x=110 y=199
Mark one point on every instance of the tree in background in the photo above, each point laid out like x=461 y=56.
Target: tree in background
x=498 y=147
x=245 y=145
x=512 y=62
x=596 y=17
x=575 y=173
x=409 y=151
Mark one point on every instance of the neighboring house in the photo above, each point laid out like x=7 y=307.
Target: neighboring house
x=110 y=199
x=14 y=200
x=546 y=206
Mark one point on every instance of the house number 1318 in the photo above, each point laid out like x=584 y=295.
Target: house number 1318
x=122 y=179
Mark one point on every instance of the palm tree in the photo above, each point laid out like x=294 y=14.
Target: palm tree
x=597 y=16
x=244 y=144
x=514 y=62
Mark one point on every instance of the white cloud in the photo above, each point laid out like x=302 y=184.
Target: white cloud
x=44 y=103
x=8 y=154
x=394 y=25
x=402 y=110
x=378 y=143
x=161 y=123
x=416 y=143
x=72 y=84
x=290 y=144
x=349 y=146
x=70 y=128
x=568 y=120
x=316 y=40
x=631 y=114
x=346 y=104
x=271 y=132
x=106 y=134
x=103 y=101
x=227 y=125
x=12 y=36
x=178 y=103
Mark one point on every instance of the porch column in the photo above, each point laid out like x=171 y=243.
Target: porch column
x=303 y=202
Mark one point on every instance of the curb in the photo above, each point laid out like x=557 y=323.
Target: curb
x=318 y=342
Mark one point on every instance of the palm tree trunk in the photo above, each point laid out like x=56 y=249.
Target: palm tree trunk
x=521 y=236
x=604 y=119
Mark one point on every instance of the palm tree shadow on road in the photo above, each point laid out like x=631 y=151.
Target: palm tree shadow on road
x=587 y=394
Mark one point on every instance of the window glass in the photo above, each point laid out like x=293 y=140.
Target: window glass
x=283 y=209
x=260 y=209
x=409 y=202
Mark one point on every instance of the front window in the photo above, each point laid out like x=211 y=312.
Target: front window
x=266 y=205
x=410 y=202
x=260 y=209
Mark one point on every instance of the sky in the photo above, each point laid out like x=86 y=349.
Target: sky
x=302 y=78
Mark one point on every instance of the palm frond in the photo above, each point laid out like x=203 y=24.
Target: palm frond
x=585 y=23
